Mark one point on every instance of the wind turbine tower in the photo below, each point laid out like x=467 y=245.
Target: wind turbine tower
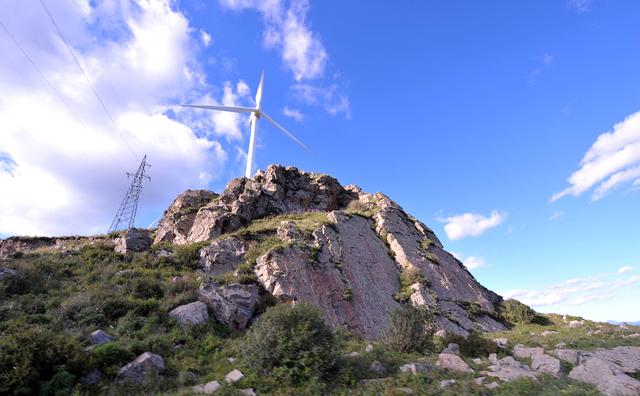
x=256 y=114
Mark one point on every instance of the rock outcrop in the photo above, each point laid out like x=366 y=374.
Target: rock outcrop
x=133 y=240
x=232 y=305
x=190 y=314
x=144 y=367
x=349 y=264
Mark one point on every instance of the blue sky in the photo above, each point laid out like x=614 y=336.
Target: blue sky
x=511 y=128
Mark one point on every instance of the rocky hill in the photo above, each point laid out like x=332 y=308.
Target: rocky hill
x=356 y=255
x=284 y=284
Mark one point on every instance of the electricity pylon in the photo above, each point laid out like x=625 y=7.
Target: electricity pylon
x=126 y=215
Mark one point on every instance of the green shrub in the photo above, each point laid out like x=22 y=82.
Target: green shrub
x=290 y=342
x=514 y=312
x=473 y=346
x=410 y=276
x=31 y=358
x=188 y=256
x=410 y=330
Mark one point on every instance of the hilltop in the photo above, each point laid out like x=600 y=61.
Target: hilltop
x=286 y=283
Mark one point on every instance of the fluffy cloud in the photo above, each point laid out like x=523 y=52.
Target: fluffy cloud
x=293 y=113
x=473 y=262
x=624 y=269
x=573 y=291
x=62 y=162
x=470 y=224
x=287 y=30
x=612 y=161
x=330 y=98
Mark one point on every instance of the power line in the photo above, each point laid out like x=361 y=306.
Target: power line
x=95 y=92
x=35 y=66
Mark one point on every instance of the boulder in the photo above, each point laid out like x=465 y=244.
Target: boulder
x=545 y=364
x=444 y=384
x=247 y=392
x=144 y=366
x=232 y=305
x=452 y=362
x=368 y=348
x=452 y=348
x=606 y=376
x=509 y=369
x=222 y=255
x=519 y=351
x=208 y=388
x=288 y=231
x=92 y=378
x=501 y=342
x=414 y=368
x=190 y=314
x=575 y=323
x=232 y=376
x=99 y=337
x=378 y=368
x=133 y=240
x=568 y=355
x=7 y=273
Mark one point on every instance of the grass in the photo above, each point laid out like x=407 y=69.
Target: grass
x=582 y=337
x=306 y=222
x=358 y=208
x=408 y=277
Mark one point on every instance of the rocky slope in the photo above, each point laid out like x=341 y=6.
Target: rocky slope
x=356 y=255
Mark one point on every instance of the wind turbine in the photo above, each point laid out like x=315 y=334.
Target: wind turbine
x=256 y=114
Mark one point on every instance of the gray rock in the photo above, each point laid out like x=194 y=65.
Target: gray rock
x=378 y=368
x=190 y=314
x=125 y=273
x=223 y=255
x=548 y=333
x=568 y=355
x=545 y=364
x=519 y=351
x=7 y=273
x=452 y=348
x=575 y=323
x=288 y=231
x=422 y=296
x=134 y=240
x=99 y=337
x=608 y=377
x=626 y=357
x=232 y=305
x=234 y=375
x=247 y=392
x=476 y=361
x=350 y=257
x=208 y=388
x=178 y=219
x=492 y=385
x=144 y=366
x=493 y=358
x=368 y=348
x=444 y=384
x=509 y=369
x=453 y=362
x=414 y=368
x=501 y=342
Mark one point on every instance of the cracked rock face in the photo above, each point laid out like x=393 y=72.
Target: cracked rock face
x=350 y=261
x=350 y=266
x=232 y=305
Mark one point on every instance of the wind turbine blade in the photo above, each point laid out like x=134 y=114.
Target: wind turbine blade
x=259 y=91
x=289 y=134
x=233 y=109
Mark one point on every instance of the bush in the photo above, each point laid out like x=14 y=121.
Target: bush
x=291 y=342
x=37 y=356
x=411 y=330
x=473 y=346
x=514 y=312
x=188 y=256
x=410 y=276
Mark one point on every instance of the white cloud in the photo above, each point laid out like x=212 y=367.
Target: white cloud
x=628 y=281
x=288 y=31
x=473 y=262
x=330 y=98
x=613 y=160
x=581 y=6
x=471 y=224
x=62 y=173
x=556 y=215
x=624 y=269
x=206 y=38
x=571 y=291
x=293 y=113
